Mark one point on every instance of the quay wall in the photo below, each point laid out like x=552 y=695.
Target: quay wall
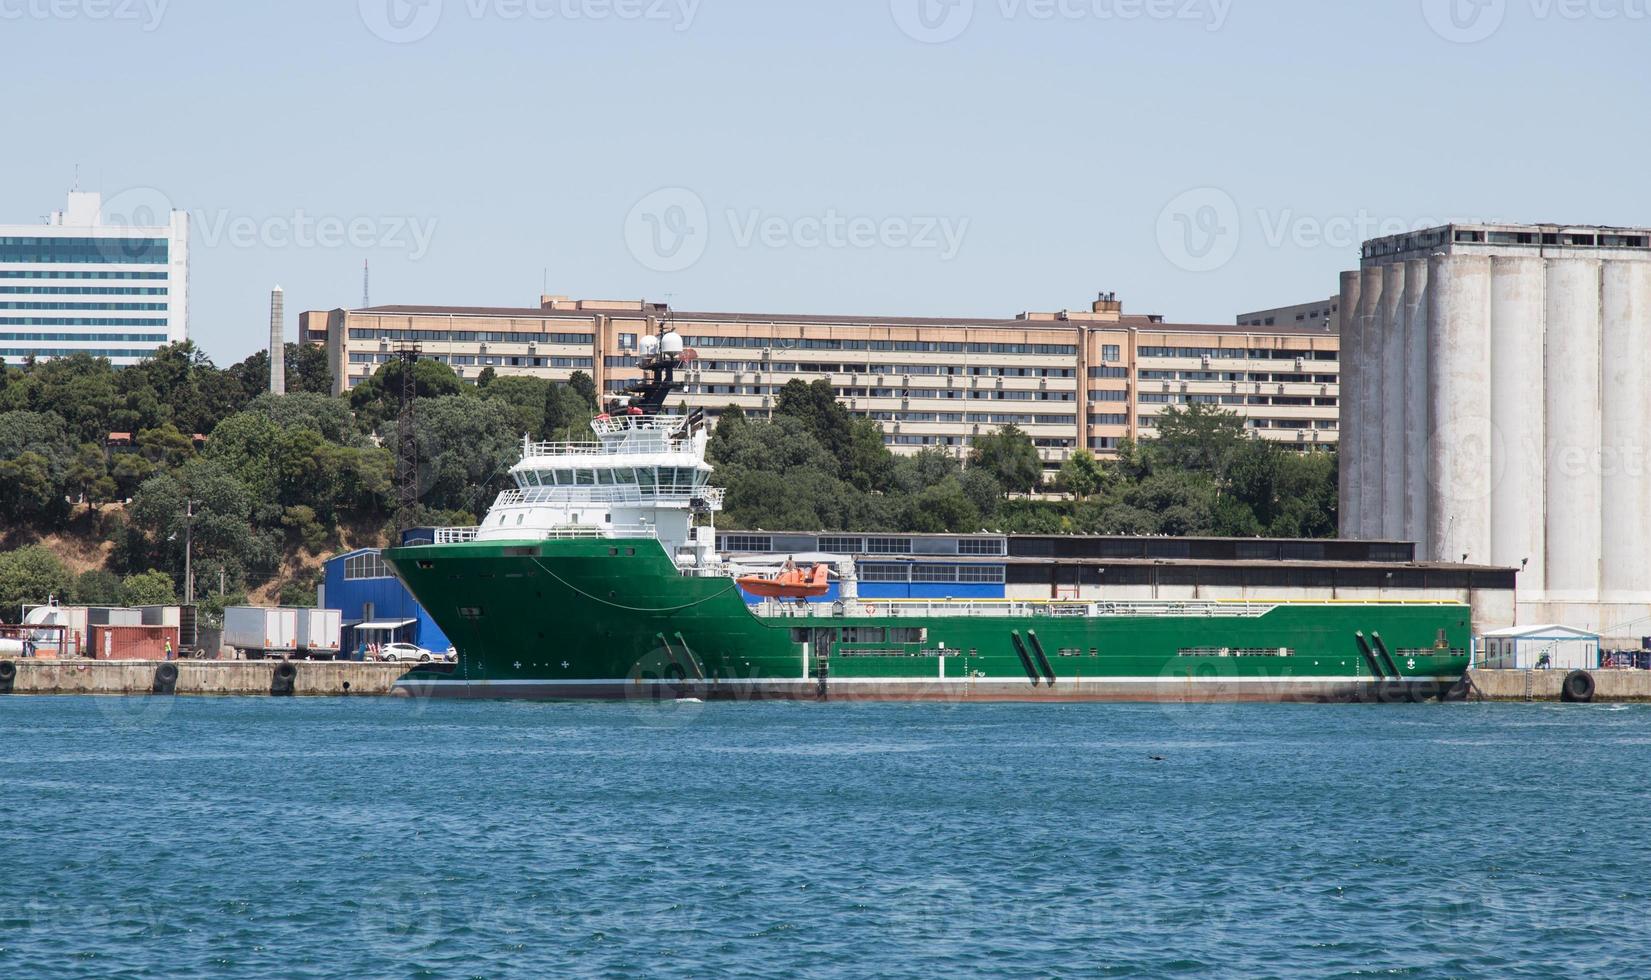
x=202 y=677
x=1543 y=685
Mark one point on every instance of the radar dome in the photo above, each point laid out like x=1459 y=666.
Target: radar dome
x=671 y=343
x=650 y=346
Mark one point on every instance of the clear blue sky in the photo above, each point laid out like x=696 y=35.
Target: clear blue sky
x=849 y=156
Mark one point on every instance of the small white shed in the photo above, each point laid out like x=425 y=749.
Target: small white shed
x=1548 y=646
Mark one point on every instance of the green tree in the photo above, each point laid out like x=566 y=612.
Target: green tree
x=1009 y=455
x=584 y=386
x=328 y=416
x=378 y=397
x=869 y=465
x=528 y=397
x=89 y=474
x=300 y=520
x=224 y=533
x=36 y=468
x=815 y=405
x=96 y=587
x=566 y=416
x=486 y=377
x=165 y=446
x=151 y=588
x=465 y=450
x=30 y=575
x=1202 y=438
x=300 y=591
x=1081 y=474
x=942 y=507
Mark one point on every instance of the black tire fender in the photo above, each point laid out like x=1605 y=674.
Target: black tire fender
x=1577 y=688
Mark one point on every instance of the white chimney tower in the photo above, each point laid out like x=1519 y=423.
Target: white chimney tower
x=277 y=342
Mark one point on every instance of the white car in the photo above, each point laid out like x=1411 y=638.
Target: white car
x=402 y=653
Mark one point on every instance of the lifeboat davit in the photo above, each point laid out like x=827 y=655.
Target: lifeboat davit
x=795 y=584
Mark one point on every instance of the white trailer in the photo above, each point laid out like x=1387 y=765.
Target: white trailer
x=260 y=631
x=318 y=632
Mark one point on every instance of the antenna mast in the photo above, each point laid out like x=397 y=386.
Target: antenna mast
x=366 y=303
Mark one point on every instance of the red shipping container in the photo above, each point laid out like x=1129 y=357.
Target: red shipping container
x=132 y=642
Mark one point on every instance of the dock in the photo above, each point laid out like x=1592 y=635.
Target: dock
x=297 y=678
x=307 y=678
x=1545 y=685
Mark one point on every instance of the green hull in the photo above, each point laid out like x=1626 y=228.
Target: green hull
x=612 y=618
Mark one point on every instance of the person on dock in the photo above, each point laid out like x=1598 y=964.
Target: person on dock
x=169 y=648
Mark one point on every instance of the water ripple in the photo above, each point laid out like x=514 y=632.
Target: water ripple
x=367 y=837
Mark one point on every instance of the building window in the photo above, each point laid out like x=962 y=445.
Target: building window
x=368 y=564
x=883 y=573
x=748 y=542
x=1110 y=352
x=980 y=546
x=934 y=573
x=980 y=573
x=842 y=545
x=888 y=546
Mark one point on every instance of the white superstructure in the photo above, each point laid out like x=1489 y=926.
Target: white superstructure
x=113 y=285
x=644 y=476
x=1497 y=410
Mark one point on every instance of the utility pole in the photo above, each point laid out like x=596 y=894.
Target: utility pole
x=188 y=549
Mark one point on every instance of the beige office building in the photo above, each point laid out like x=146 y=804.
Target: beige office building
x=1071 y=378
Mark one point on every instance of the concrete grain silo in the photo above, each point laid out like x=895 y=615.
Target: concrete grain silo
x=1497 y=409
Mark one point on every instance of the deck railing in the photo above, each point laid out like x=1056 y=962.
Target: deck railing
x=895 y=608
x=611 y=494
x=459 y=535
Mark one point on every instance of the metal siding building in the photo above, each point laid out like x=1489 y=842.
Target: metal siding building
x=362 y=588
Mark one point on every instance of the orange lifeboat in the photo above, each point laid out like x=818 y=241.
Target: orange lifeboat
x=794 y=584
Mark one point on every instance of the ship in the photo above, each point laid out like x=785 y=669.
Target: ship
x=596 y=576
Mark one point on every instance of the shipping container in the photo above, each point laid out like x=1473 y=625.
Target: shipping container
x=132 y=642
x=318 y=631
x=260 y=630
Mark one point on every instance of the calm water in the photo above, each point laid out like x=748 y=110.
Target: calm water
x=266 y=837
